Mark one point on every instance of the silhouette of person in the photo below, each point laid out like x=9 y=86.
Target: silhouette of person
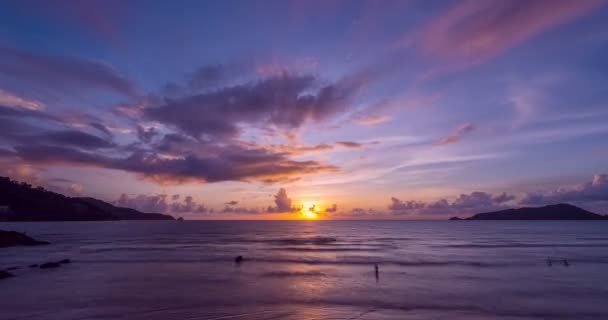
x=377 y=272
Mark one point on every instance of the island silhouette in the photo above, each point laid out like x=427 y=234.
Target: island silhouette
x=560 y=211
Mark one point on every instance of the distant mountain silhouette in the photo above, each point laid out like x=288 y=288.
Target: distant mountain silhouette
x=560 y=211
x=23 y=202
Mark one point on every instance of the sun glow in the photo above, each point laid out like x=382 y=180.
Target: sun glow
x=309 y=210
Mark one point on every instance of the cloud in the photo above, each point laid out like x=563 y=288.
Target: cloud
x=282 y=202
x=62 y=73
x=371 y=120
x=72 y=138
x=145 y=203
x=474 y=202
x=471 y=32
x=146 y=135
x=594 y=191
x=286 y=101
x=332 y=209
x=188 y=205
x=11 y=100
x=359 y=213
x=349 y=144
x=75 y=189
x=160 y=203
x=298 y=149
x=232 y=203
x=101 y=128
x=221 y=164
x=240 y=210
x=398 y=205
x=216 y=75
x=457 y=135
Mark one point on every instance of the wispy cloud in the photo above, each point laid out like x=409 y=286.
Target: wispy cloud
x=591 y=193
x=11 y=100
x=62 y=73
x=458 y=134
x=471 y=32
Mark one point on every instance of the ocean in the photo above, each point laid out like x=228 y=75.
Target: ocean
x=309 y=270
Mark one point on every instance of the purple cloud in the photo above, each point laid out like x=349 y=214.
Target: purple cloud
x=225 y=164
x=474 y=202
x=282 y=202
x=160 y=203
x=471 y=32
x=594 y=191
x=286 y=101
x=61 y=73
x=188 y=205
x=145 y=203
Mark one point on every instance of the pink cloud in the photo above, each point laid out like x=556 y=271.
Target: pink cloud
x=471 y=32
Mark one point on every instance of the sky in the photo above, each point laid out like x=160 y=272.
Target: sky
x=308 y=109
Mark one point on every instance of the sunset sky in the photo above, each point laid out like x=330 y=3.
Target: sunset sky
x=254 y=109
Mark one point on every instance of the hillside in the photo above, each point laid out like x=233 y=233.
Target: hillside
x=23 y=202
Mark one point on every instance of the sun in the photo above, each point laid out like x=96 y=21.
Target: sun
x=309 y=210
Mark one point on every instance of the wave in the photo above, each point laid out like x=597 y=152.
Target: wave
x=285 y=274
x=526 y=245
x=324 y=249
x=301 y=241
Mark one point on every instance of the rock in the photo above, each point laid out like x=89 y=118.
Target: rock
x=64 y=261
x=5 y=274
x=49 y=265
x=180 y=219
x=238 y=259
x=35 y=265
x=14 y=238
x=455 y=218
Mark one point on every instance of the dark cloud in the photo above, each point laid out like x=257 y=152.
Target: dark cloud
x=62 y=139
x=286 y=101
x=232 y=203
x=216 y=75
x=224 y=164
x=72 y=138
x=332 y=209
x=7 y=112
x=53 y=154
x=206 y=146
x=101 y=128
x=146 y=135
x=282 y=202
x=594 y=191
x=474 y=202
x=61 y=72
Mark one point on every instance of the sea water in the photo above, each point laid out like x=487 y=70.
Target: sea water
x=309 y=270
